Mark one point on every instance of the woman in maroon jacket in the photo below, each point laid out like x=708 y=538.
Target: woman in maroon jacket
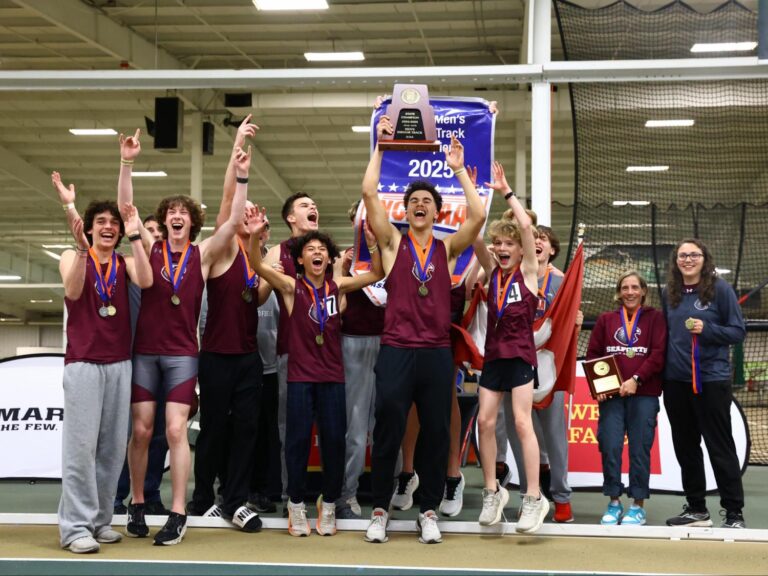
x=636 y=335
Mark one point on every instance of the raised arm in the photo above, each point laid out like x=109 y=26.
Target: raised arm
x=245 y=130
x=255 y=219
x=385 y=232
x=138 y=267
x=130 y=148
x=73 y=262
x=376 y=273
x=211 y=248
x=468 y=231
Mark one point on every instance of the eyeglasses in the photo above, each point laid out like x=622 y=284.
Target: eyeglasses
x=692 y=256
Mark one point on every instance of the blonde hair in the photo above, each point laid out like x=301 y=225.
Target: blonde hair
x=510 y=215
x=505 y=228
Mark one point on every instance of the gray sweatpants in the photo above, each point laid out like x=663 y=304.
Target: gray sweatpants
x=360 y=354
x=282 y=410
x=552 y=436
x=95 y=433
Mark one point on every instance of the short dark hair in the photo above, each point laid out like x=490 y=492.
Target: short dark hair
x=150 y=218
x=423 y=185
x=301 y=241
x=288 y=205
x=196 y=213
x=553 y=240
x=94 y=209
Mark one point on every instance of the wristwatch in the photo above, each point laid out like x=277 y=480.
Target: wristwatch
x=638 y=380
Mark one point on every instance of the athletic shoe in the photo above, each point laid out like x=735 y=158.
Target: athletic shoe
x=156 y=508
x=733 y=519
x=298 y=525
x=612 y=515
x=109 y=536
x=214 y=511
x=345 y=512
x=503 y=474
x=691 y=517
x=173 y=531
x=120 y=508
x=635 y=516
x=533 y=514
x=453 y=497
x=355 y=506
x=493 y=505
x=195 y=509
x=246 y=519
x=260 y=503
x=377 y=529
x=563 y=513
x=326 y=517
x=136 y=526
x=545 y=480
x=427 y=525
x=84 y=545
x=407 y=483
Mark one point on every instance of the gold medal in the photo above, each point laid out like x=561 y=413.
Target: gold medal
x=111 y=310
x=319 y=340
x=630 y=353
x=602 y=368
x=103 y=312
x=247 y=295
x=175 y=300
x=690 y=324
x=423 y=290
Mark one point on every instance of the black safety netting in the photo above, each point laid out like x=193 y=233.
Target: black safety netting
x=707 y=179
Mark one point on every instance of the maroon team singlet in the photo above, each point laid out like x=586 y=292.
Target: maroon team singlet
x=513 y=336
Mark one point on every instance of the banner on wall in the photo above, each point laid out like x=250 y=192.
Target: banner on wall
x=31 y=416
x=584 y=463
x=470 y=120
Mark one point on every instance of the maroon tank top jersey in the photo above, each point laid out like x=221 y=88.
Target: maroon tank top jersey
x=308 y=361
x=512 y=337
x=232 y=321
x=164 y=328
x=92 y=337
x=361 y=316
x=412 y=320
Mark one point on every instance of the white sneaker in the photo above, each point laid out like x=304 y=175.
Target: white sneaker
x=493 y=505
x=377 y=529
x=298 y=525
x=84 y=545
x=532 y=515
x=108 y=536
x=326 y=517
x=213 y=512
x=355 y=505
x=402 y=499
x=453 y=497
x=427 y=524
x=246 y=519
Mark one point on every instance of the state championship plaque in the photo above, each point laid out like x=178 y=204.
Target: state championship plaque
x=413 y=119
x=603 y=376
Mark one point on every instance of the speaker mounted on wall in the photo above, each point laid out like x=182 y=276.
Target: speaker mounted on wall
x=169 y=124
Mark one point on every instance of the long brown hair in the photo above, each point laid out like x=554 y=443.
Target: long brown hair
x=675 y=278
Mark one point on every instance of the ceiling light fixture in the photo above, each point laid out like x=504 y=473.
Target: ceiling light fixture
x=9 y=277
x=631 y=202
x=361 y=128
x=668 y=123
x=334 y=56
x=92 y=132
x=724 y=47
x=57 y=246
x=647 y=168
x=291 y=4
x=150 y=174
x=49 y=301
x=52 y=254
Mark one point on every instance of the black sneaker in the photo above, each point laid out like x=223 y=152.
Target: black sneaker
x=120 y=508
x=503 y=474
x=545 y=480
x=691 y=517
x=194 y=509
x=156 y=509
x=245 y=519
x=173 y=531
x=258 y=502
x=733 y=519
x=136 y=526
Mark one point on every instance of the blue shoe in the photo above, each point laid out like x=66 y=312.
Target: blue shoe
x=612 y=515
x=635 y=516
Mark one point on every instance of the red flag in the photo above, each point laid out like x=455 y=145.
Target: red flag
x=565 y=334
x=465 y=349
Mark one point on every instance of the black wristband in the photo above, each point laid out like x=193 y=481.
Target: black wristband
x=509 y=195
x=134 y=237
x=241 y=180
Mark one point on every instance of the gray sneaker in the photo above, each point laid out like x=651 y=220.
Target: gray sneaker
x=691 y=517
x=493 y=505
x=534 y=510
x=84 y=545
x=346 y=513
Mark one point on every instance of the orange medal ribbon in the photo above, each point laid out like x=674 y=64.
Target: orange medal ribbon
x=175 y=274
x=502 y=291
x=105 y=281
x=422 y=252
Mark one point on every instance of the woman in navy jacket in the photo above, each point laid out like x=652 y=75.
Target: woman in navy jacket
x=704 y=320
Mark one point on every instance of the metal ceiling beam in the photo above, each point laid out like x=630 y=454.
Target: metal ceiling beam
x=19 y=169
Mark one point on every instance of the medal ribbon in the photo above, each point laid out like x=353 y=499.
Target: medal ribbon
x=420 y=257
x=545 y=283
x=319 y=301
x=695 y=365
x=105 y=282
x=631 y=322
x=250 y=273
x=176 y=274
x=502 y=292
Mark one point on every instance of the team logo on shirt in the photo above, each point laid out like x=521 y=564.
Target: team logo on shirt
x=164 y=273
x=330 y=305
x=621 y=337
x=430 y=270
x=699 y=306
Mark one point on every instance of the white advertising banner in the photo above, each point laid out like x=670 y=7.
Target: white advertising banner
x=584 y=462
x=31 y=416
